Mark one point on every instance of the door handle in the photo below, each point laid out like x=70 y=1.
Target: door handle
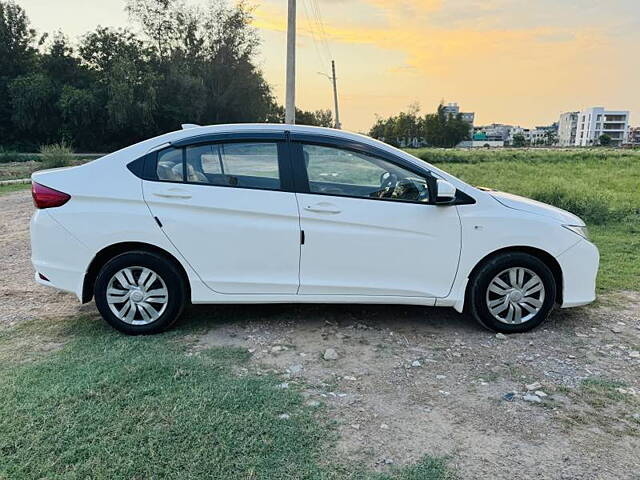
x=323 y=208
x=172 y=195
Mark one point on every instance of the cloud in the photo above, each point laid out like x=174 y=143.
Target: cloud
x=511 y=58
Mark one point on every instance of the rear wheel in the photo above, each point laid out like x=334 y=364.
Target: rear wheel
x=140 y=293
x=512 y=292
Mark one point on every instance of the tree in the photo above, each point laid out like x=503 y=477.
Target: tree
x=17 y=57
x=445 y=130
x=318 y=118
x=519 y=141
x=189 y=65
x=605 y=140
x=551 y=138
x=32 y=98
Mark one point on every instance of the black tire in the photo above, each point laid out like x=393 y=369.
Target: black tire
x=482 y=278
x=167 y=271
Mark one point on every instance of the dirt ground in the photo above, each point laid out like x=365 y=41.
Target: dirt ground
x=410 y=381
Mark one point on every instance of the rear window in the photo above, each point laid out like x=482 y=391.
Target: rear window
x=170 y=166
x=248 y=165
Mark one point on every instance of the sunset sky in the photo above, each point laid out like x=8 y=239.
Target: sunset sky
x=510 y=61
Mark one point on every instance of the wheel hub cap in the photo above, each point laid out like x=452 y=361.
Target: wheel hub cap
x=137 y=295
x=515 y=295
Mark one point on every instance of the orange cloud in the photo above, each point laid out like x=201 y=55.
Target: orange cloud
x=527 y=74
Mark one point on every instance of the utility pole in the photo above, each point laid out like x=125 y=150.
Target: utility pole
x=290 y=112
x=335 y=94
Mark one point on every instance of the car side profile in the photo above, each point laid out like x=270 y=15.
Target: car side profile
x=284 y=214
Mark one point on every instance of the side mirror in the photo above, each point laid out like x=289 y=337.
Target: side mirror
x=445 y=192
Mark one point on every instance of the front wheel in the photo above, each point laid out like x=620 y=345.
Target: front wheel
x=512 y=293
x=140 y=293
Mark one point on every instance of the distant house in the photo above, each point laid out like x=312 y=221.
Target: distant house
x=481 y=140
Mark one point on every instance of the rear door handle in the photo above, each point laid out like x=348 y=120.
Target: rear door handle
x=323 y=207
x=172 y=194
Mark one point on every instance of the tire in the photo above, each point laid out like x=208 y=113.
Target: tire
x=509 y=283
x=156 y=302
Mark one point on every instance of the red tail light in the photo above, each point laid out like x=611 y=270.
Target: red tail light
x=45 y=197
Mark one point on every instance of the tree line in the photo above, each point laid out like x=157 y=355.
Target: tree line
x=116 y=86
x=439 y=129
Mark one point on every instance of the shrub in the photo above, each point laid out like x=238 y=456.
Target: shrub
x=593 y=207
x=56 y=155
x=10 y=156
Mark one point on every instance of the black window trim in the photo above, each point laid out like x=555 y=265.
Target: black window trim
x=284 y=161
x=291 y=168
x=302 y=179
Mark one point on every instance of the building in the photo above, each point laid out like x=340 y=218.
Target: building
x=453 y=109
x=567 y=129
x=633 y=139
x=494 y=131
x=592 y=123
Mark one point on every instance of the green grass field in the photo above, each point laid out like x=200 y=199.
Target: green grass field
x=602 y=186
x=110 y=406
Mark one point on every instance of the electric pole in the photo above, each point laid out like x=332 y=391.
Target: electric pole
x=290 y=111
x=335 y=94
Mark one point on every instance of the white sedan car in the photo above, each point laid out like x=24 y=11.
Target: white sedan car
x=279 y=214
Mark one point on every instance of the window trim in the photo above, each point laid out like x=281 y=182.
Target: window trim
x=283 y=158
x=302 y=178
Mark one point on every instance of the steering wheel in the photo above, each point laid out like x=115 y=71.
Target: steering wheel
x=388 y=182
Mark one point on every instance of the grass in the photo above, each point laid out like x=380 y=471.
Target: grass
x=14 y=187
x=25 y=165
x=602 y=186
x=109 y=406
x=56 y=155
x=9 y=156
x=600 y=392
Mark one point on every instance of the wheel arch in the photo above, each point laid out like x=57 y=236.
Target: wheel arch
x=545 y=257
x=111 y=251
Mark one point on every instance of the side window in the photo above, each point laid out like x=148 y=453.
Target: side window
x=249 y=165
x=169 y=167
x=335 y=171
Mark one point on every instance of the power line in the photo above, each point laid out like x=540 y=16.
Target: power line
x=322 y=60
x=322 y=31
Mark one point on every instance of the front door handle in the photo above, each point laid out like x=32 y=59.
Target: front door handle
x=323 y=207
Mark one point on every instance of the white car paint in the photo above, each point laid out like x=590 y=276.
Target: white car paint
x=369 y=252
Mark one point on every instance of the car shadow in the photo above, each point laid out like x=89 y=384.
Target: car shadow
x=375 y=316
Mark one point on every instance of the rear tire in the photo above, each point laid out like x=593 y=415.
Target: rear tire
x=140 y=293
x=512 y=293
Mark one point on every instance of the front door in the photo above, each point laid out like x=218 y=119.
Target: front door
x=369 y=229
x=224 y=207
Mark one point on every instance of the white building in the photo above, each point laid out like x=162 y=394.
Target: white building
x=454 y=110
x=567 y=129
x=594 y=122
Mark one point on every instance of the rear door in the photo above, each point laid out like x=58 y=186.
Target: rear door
x=369 y=228
x=229 y=208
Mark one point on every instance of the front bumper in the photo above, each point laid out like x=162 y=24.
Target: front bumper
x=579 y=271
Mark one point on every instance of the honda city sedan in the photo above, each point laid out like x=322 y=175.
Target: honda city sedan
x=282 y=214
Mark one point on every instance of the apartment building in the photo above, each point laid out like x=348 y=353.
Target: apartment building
x=567 y=129
x=454 y=109
x=592 y=123
x=633 y=139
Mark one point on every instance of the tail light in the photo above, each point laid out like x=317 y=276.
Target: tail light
x=45 y=197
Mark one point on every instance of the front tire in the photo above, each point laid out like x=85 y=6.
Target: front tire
x=140 y=293
x=512 y=293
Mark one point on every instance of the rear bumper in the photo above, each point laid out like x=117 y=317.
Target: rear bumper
x=57 y=254
x=579 y=270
